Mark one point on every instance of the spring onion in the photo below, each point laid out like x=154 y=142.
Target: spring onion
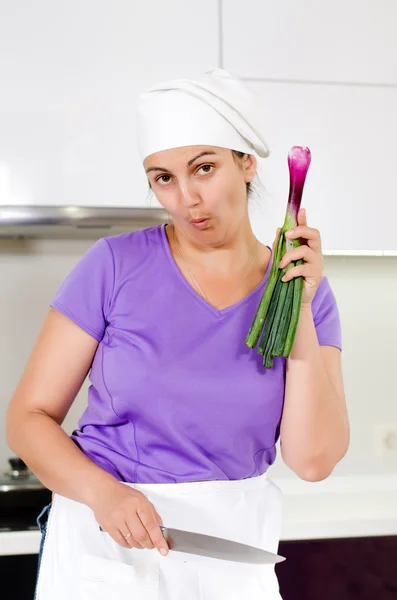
x=277 y=316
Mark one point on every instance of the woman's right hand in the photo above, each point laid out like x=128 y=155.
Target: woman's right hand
x=120 y=510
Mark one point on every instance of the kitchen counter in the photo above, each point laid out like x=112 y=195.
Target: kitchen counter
x=338 y=507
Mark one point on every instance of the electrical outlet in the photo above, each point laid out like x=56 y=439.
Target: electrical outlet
x=387 y=441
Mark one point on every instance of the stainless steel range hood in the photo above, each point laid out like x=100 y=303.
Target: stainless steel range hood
x=75 y=222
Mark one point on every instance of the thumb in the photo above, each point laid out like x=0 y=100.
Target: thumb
x=276 y=238
x=302 y=220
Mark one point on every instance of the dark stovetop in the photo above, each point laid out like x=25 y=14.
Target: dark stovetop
x=18 y=523
x=20 y=509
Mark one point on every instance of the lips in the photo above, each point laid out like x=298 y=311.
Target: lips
x=199 y=223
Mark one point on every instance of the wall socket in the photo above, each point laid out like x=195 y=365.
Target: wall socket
x=387 y=441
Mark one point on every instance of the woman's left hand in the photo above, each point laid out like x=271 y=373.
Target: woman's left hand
x=310 y=252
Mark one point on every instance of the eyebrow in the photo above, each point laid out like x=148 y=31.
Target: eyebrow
x=190 y=162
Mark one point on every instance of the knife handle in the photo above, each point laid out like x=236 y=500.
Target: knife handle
x=164 y=531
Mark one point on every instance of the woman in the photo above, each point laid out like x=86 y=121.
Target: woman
x=182 y=418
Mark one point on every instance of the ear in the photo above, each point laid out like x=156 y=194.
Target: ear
x=249 y=165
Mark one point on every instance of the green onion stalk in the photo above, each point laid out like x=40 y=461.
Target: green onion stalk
x=277 y=316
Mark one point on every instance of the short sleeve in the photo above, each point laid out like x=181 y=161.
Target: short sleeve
x=85 y=294
x=326 y=316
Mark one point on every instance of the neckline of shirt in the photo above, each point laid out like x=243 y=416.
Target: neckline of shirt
x=196 y=295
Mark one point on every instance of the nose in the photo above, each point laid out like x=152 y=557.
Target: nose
x=189 y=194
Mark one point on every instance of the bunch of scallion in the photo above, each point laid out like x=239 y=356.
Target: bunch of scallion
x=278 y=312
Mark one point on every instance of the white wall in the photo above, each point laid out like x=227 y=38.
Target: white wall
x=366 y=290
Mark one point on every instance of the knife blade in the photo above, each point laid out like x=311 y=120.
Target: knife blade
x=215 y=547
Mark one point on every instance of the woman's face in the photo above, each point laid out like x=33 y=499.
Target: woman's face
x=202 y=182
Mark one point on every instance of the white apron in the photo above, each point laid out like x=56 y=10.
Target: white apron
x=80 y=562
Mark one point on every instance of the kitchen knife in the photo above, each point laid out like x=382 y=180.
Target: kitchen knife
x=215 y=547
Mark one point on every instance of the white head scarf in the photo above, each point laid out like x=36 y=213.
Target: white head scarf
x=214 y=109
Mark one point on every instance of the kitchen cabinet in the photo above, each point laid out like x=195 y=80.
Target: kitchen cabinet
x=18 y=577
x=71 y=73
x=348 y=194
x=340 y=41
x=346 y=569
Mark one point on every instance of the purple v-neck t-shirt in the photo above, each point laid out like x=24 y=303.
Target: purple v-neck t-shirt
x=175 y=394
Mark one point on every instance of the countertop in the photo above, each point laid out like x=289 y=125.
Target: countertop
x=338 y=507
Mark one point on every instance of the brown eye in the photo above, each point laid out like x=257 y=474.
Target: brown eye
x=206 y=168
x=162 y=178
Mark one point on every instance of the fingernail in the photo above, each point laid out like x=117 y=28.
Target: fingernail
x=163 y=551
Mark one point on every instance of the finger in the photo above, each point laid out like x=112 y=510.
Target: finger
x=127 y=536
x=149 y=521
x=309 y=233
x=302 y=220
x=306 y=233
x=299 y=271
x=301 y=252
x=118 y=537
x=141 y=538
x=158 y=518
